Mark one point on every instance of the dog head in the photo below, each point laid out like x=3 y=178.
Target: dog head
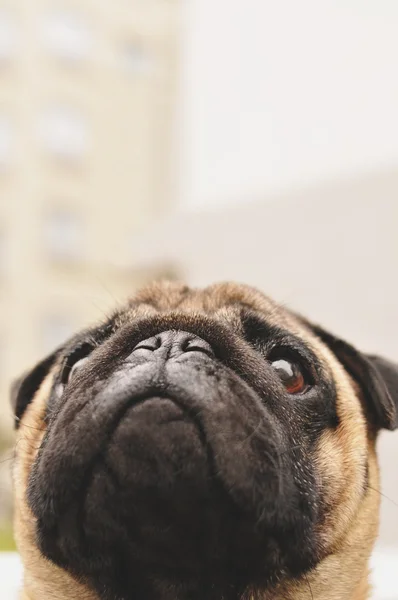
x=200 y=444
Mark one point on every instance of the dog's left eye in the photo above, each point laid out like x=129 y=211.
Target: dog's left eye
x=76 y=367
x=291 y=375
x=75 y=362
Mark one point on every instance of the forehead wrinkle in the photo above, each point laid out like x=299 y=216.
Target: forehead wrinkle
x=225 y=294
x=224 y=300
x=165 y=295
x=134 y=312
x=231 y=317
x=162 y=295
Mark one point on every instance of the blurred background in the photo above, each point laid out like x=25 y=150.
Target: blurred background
x=202 y=140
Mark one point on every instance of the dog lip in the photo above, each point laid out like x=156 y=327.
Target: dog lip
x=134 y=403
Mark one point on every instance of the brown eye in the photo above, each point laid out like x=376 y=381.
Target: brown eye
x=291 y=375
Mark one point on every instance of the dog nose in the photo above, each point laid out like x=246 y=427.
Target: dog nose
x=174 y=344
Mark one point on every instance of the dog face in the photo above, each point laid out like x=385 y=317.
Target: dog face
x=200 y=444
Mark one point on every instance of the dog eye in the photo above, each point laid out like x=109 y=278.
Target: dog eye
x=76 y=367
x=291 y=375
x=74 y=362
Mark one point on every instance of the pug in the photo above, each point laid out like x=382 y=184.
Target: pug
x=200 y=444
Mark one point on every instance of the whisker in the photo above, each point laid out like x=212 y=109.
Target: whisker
x=309 y=586
x=250 y=435
x=384 y=496
x=289 y=450
x=106 y=288
x=31 y=427
x=22 y=424
x=8 y=458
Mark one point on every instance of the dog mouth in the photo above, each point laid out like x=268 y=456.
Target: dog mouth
x=150 y=415
x=156 y=469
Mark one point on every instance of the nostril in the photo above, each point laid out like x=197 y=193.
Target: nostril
x=174 y=344
x=150 y=344
x=198 y=345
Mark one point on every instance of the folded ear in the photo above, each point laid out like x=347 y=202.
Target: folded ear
x=25 y=387
x=377 y=378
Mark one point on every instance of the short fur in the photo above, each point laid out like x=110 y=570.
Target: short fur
x=174 y=465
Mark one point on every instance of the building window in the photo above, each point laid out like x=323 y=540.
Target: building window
x=6 y=135
x=64 y=133
x=7 y=37
x=63 y=236
x=55 y=330
x=66 y=36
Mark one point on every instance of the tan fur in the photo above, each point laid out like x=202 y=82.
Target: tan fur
x=42 y=579
x=351 y=522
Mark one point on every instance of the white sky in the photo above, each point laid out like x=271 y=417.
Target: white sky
x=280 y=93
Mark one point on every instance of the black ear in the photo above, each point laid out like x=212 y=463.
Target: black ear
x=377 y=377
x=24 y=388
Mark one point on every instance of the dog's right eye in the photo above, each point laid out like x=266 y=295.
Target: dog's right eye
x=74 y=362
x=291 y=375
x=292 y=370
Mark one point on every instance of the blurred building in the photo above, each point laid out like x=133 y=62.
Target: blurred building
x=87 y=92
